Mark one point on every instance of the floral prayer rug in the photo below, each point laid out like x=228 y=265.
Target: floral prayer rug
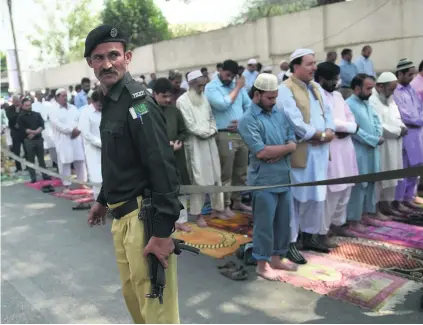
x=242 y=224
x=361 y=285
x=396 y=261
x=397 y=233
x=74 y=195
x=38 y=185
x=213 y=242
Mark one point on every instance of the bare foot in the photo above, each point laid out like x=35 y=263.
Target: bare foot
x=285 y=265
x=382 y=217
x=183 y=227
x=201 y=222
x=358 y=227
x=243 y=207
x=219 y=214
x=418 y=200
x=228 y=212
x=264 y=270
x=370 y=221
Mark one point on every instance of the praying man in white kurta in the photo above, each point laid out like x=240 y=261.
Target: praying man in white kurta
x=89 y=125
x=200 y=146
x=309 y=114
x=68 y=141
x=394 y=129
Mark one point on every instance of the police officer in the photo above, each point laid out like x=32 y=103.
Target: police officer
x=135 y=155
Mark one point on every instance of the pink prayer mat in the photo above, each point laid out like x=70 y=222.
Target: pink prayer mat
x=74 y=195
x=351 y=282
x=397 y=233
x=38 y=185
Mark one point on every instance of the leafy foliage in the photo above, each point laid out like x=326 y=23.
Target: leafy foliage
x=141 y=20
x=63 y=40
x=3 y=62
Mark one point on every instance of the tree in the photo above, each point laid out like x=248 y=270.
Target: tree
x=63 y=40
x=3 y=62
x=141 y=20
x=257 y=9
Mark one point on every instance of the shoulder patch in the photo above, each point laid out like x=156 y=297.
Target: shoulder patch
x=139 y=94
x=138 y=110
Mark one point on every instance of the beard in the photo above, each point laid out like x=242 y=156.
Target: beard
x=363 y=97
x=195 y=98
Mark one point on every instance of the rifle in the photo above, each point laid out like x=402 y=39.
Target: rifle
x=156 y=270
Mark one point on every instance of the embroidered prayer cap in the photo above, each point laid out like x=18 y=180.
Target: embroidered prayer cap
x=386 y=77
x=404 y=64
x=252 y=61
x=299 y=53
x=194 y=75
x=103 y=34
x=267 y=69
x=266 y=82
x=60 y=90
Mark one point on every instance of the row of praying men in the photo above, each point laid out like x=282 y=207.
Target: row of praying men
x=299 y=131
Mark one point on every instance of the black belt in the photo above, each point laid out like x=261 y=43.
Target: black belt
x=124 y=209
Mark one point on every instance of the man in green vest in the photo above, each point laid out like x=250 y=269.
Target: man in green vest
x=309 y=114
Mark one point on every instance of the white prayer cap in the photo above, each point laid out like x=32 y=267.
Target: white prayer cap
x=194 y=75
x=282 y=62
x=300 y=53
x=267 y=69
x=266 y=82
x=386 y=77
x=252 y=61
x=60 y=90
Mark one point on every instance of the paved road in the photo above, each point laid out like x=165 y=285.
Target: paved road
x=55 y=269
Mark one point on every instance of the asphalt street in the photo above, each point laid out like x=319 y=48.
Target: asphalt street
x=55 y=269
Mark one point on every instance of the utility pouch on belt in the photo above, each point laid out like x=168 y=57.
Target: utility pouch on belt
x=156 y=270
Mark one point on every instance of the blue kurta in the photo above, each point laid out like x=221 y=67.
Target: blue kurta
x=317 y=156
x=250 y=78
x=272 y=207
x=365 y=141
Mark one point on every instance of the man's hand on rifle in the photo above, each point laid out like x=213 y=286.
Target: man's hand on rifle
x=97 y=215
x=161 y=247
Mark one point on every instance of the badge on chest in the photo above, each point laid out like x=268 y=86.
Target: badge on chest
x=138 y=110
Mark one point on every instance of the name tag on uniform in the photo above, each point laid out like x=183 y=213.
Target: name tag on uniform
x=138 y=94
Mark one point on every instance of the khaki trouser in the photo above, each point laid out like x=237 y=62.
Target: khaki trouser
x=128 y=238
x=233 y=154
x=5 y=163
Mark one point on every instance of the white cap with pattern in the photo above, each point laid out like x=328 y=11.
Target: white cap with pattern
x=194 y=75
x=266 y=82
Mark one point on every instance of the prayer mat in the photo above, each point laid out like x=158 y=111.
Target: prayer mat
x=8 y=180
x=397 y=233
x=38 y=185
x=74 y=195
x=212 y=242
x=398 y=262
x=352 y=282
x=242 y=224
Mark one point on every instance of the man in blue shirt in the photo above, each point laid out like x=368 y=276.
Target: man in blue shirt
x=348 y=72
x=250 y=74
x=364 y=64
x=229 y=100
x=81 y=99
x=271 y=140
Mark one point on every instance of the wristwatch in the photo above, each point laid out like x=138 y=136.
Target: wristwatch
x=323 y=137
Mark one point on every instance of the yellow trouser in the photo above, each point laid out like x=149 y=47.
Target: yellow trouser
x=128 y=238
x=4 y=159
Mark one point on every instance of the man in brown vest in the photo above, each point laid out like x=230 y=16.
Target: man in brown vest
x=308 y=112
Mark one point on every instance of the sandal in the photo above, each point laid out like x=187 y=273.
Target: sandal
x=231 y=271
x=82 y=206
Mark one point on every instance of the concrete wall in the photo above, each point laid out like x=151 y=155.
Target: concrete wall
x=394 y=28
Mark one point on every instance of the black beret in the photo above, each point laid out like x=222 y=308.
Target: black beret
x=103 y=34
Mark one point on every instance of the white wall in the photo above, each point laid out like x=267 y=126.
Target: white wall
x=394 y=29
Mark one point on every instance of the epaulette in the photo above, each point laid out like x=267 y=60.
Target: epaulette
x=136 y=90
